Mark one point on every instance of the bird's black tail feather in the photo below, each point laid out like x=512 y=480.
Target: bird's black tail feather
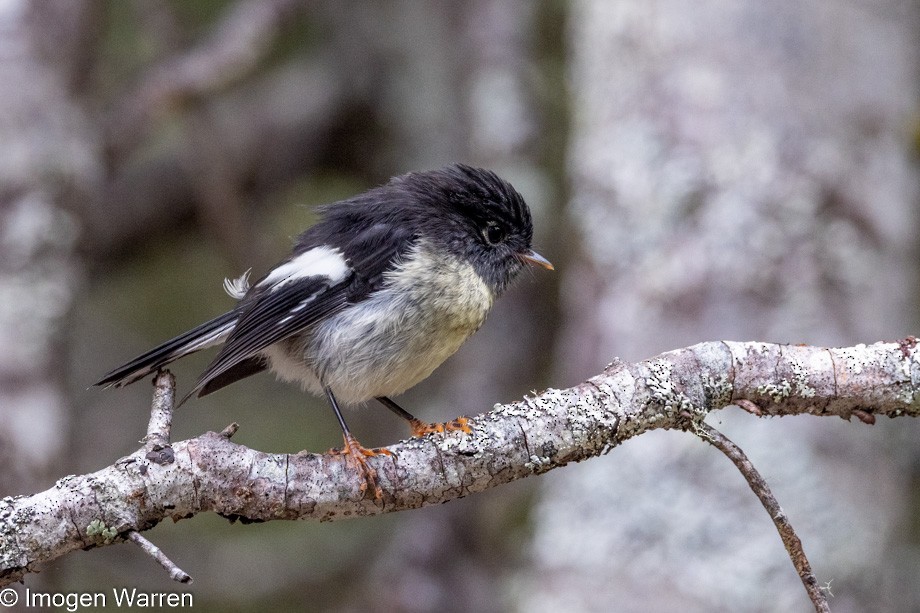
x=206 y=335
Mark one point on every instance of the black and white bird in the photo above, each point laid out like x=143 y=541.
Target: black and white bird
x=373 y=298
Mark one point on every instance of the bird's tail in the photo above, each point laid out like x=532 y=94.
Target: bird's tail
x=206 y=335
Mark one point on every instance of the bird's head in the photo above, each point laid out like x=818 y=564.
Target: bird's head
x=478 y=217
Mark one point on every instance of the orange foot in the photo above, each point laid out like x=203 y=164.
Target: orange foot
x=356 y=457
x=421 y=428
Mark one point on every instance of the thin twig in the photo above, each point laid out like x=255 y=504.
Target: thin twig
x=786 y=532
x=175 y=573
x=161 y=409
x=230 y=430
x=156 y=442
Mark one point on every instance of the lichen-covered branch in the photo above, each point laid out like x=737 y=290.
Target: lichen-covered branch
x=534 y=435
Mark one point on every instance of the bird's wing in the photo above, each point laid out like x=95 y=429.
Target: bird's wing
x=315 y=283
x=294 y=296
x=372 y=243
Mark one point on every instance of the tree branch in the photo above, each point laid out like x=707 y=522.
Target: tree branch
x=175 y=573
x=674 y=390
x=759 y=485
x=238 y=42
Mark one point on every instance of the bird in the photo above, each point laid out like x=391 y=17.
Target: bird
x=372 y=299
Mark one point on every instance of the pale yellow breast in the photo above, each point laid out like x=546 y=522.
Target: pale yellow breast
x=397 y=336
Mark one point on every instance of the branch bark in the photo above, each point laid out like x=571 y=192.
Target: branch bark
x=675 y=390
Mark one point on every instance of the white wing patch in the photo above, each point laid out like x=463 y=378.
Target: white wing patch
x=317 y=262
x=237 y=288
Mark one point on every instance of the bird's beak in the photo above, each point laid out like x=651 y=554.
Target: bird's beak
x=535 y=259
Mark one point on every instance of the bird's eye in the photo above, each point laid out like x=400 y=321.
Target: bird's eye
x=493 y=233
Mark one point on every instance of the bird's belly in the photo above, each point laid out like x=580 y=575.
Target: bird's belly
x=387 y=343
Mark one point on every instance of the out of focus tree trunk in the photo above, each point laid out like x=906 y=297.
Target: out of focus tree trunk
x=738 y=170
x=48 y=167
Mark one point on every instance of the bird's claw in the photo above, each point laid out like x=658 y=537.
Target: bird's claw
x=421 y=428
x=356 y=455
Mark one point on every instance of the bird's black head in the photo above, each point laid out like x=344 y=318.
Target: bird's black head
x=475 y=215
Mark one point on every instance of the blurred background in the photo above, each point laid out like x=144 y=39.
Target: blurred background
x=697 y=171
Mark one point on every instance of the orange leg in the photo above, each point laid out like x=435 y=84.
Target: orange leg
x=421 y=428
x=357 y=453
